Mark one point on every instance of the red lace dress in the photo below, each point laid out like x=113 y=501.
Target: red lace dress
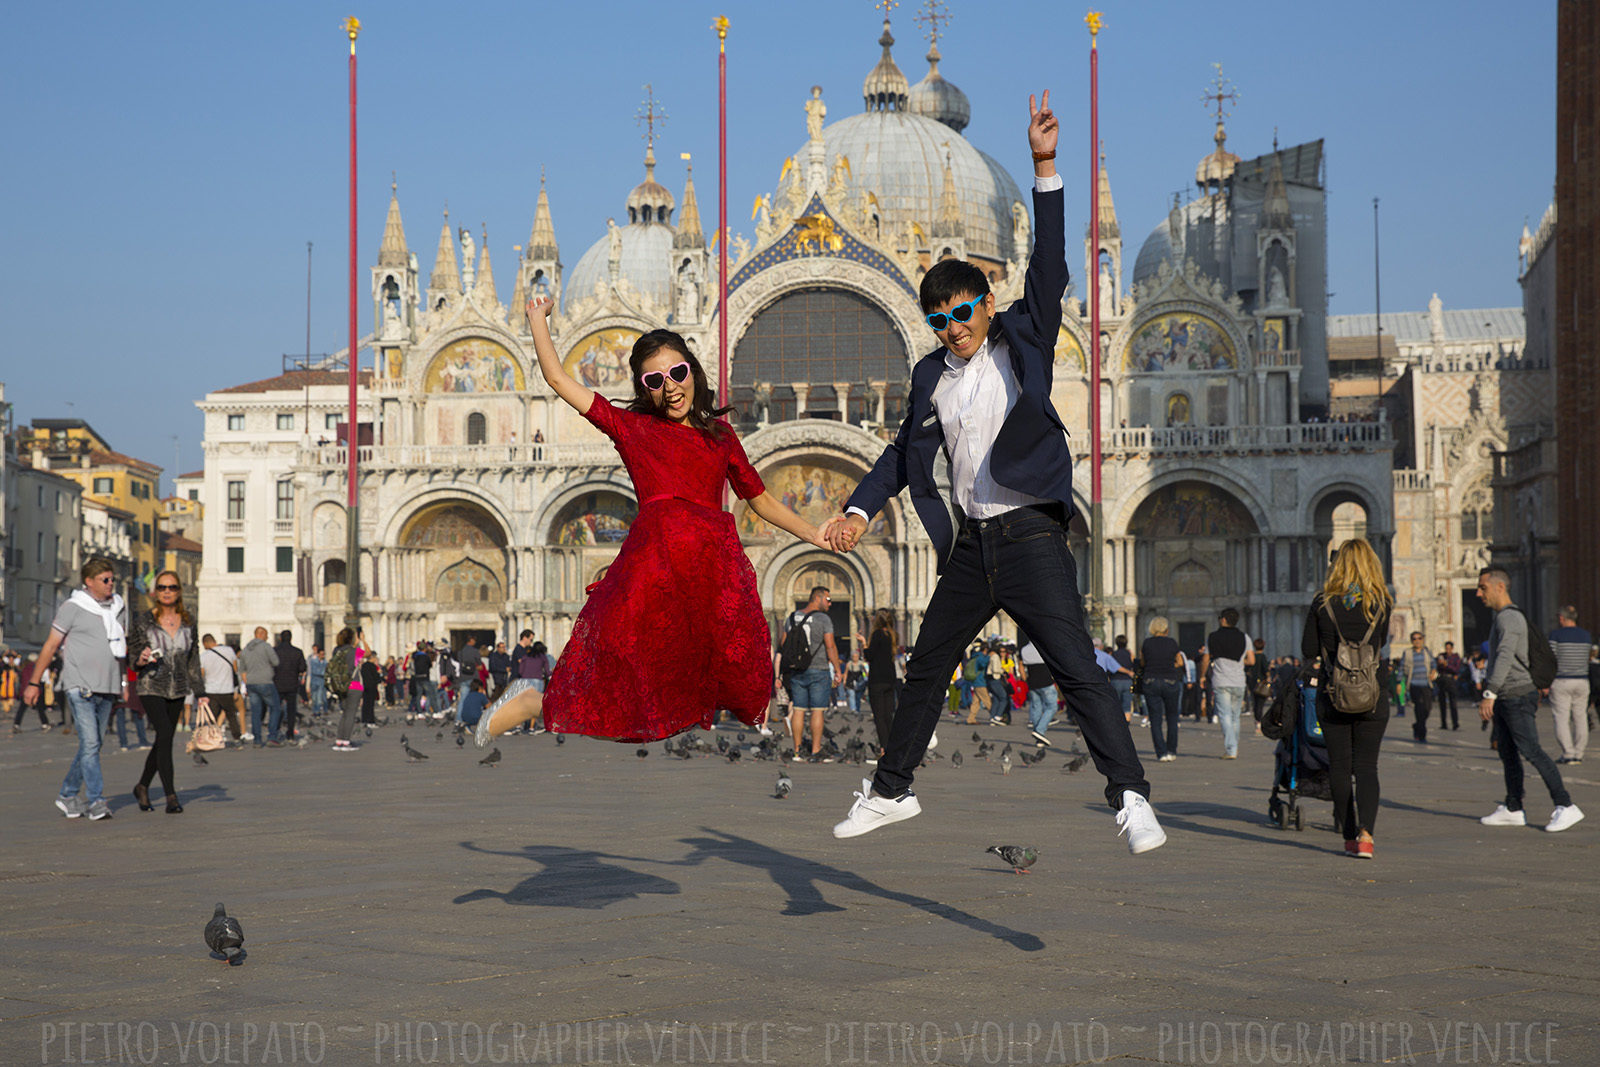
x=674 y=631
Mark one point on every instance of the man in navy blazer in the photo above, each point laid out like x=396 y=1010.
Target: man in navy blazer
x=983 y=398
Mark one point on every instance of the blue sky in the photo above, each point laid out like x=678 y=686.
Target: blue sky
x=168 y=162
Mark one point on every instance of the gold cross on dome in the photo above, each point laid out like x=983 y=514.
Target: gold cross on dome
x=935 y=12
x=886 y=6
x=651 y=114
x=1222 y=91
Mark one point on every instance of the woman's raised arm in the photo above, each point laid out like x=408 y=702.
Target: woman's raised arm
x=568 y=388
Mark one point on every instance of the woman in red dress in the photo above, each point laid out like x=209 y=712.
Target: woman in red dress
x=674 y=632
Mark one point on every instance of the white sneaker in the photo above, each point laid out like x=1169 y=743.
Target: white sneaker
x=1138 y=820
x=933 y=742
x=1563 y=817
x=871 y=811
x=1504 y=816
x=1168 y=758
x=247 y=737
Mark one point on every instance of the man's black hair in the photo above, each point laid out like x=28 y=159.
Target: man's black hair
x=1230 y=616
x=948 y=279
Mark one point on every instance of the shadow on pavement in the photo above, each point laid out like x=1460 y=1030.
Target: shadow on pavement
x=570 y=878
x=804 y=879
x=1172 y=816
x=215 y=794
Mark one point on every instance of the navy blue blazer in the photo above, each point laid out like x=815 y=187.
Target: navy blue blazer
x=1030 y=454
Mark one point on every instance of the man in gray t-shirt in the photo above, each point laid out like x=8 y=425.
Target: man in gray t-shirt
x=1228 y=652
x=90 y=632
x=811 y=689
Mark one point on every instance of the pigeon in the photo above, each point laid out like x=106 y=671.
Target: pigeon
x=740 y=738
x=200 y=760
x=1005 y=763
x=1006 y=751
x=734 y=755
x=491 y=759
x=977 y=738
x=642 y=752
x=722 y=745
x=1074 y=765
x=785 y=785
x=369 y=731
x=955 y=759
x=561 y=739
x=1030 y=758
x=439 y=736
x=1021 y=857
x=404 y=739
x=412 y=755
x=461 y=741
x=225 y=937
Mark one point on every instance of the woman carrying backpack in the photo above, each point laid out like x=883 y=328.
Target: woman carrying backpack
x=1347 y=626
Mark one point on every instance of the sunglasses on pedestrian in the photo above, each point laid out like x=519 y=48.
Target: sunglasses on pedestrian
x=653 y=380
x=168 y=587
x=940 y=321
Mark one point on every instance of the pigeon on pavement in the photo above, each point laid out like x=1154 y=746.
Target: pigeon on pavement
x=955 y=759
x=491 y=759
x=412 y=755
x=225 y=937
x=200 y=760
x=1021 y=857
x=785 y=785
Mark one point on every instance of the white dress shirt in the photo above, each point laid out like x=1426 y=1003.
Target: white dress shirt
x=972 y=400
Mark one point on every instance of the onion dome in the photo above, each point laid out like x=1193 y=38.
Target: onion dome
x=935 y=98
x=886 y=88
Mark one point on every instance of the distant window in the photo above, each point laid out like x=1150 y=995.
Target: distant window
x=285 y=559
x=41 y=496
x=285 y=420
x=236 y=559
x=58 y=501
x=58 y=548
x=285 y=499
x=235 y=500
x=330 y=421
x=103 y=485
x=1469 y=526
x=235 y=422
x=477 y=428
x=194 y=494
x=146 y=533
x=38 y=547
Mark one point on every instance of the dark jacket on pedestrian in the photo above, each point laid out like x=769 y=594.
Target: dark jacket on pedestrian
x=291 y=665
x=177 y=673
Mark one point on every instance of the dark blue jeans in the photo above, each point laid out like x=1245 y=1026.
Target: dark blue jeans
x=1162 y=700
x=1516 y=734
x=1018 y=562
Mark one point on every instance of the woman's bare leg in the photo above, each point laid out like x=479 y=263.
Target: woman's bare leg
x=524 y=707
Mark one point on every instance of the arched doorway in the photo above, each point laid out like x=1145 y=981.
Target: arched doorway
x=584 y=538
x=801 y=576
x=452 y=562
x=1339 y=517
x=1191 y=557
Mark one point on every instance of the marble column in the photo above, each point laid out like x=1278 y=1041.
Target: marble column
x=802 y=391
x=841 y=393
x=880 y=393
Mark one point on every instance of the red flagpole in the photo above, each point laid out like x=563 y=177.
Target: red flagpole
x=352 y=27
x=723 y=391
x=1096 y=531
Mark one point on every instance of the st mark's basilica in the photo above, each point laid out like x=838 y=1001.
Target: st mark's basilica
x=488 y=506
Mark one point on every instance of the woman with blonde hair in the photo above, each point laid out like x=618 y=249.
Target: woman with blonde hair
x=1353 y=606
x=1162 y=671
x=164 y=650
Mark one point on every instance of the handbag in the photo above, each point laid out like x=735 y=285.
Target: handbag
x=207 y=735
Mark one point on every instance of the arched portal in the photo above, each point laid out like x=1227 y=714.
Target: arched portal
x=452 y=564
x=584 y=538
x=847 y=608
x=1191 y=557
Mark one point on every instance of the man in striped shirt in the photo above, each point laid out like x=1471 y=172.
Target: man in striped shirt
x=1569 y=693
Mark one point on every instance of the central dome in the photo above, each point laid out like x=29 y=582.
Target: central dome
x=900 y=158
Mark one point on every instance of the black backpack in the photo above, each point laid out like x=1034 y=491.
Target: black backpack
x=797 y=648
x=1541 y=657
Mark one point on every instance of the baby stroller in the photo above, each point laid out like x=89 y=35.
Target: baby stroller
x=1300 y=761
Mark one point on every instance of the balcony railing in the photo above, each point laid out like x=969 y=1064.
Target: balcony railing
x=462 y=457
x=233 y=527
x=1314 y=437
x=1405 y=481
x=282 y=527
x=1283 y=358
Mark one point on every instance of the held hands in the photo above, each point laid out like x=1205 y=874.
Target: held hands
x=1486 y=710
x=844 y=531
x=1043 y=128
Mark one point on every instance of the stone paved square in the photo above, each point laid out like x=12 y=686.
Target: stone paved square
x=580 y=905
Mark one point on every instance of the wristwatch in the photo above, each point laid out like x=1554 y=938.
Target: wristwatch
x=1489 y=696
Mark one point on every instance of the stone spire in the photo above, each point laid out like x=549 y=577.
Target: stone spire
x=886 y=87
x=542 y=241
x=690 y=234
x=1275 y=212
x=393 y=251
x=1109 y=230
x=519 y=293
x=485 y=282
x=446 y=278
x=949 y=223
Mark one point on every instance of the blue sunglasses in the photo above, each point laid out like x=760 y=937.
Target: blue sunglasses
x=960 y=313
